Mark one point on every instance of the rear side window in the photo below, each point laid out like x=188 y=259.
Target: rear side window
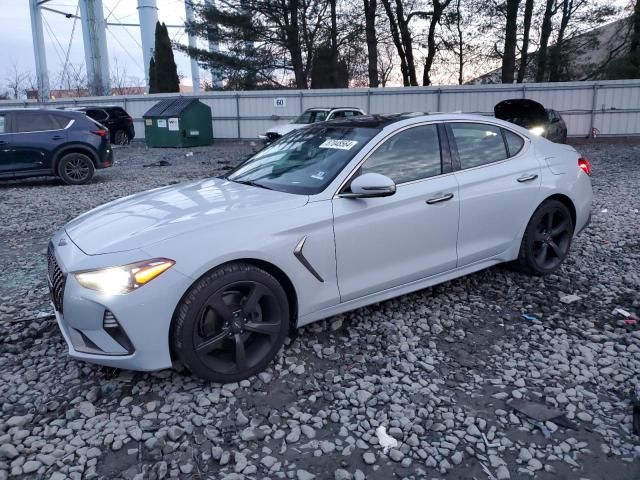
x=514 y=142
x=412 y=154
x=478 y=144
x=3 y=123
x=35 y=122
x=98 y=115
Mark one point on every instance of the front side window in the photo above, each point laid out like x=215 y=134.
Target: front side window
x=478 y=144
x=312 y=116
x=34 y=122
x=412 y=154
x=305 y=161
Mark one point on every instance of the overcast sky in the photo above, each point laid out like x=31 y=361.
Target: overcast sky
x=123 y=43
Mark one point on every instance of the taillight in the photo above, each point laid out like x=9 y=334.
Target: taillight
x=101 y=132
x=584 y=164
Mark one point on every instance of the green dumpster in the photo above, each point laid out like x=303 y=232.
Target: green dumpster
x=178 y=122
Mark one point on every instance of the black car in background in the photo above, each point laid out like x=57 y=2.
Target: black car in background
x=534 y=117
x=116 y=119
x=39 y=142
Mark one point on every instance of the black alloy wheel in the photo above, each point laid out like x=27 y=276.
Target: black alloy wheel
x=76 y=169
x=121 y=138
x=231 y=324
x=547 y=238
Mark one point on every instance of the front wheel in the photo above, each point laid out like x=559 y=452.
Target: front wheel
x=547 y=239
x=231 y=323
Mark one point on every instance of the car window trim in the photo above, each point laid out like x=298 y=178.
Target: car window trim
x=454 y=146
x=71 y=122
x=349 y=177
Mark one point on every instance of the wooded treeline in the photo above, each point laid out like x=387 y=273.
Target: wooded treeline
x=330 y=43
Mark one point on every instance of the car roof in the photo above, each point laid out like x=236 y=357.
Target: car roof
x=376 y=120
x=328 y=109
x=35 y=109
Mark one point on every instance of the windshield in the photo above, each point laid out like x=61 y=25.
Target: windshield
x=311 y=116
x=304 y=161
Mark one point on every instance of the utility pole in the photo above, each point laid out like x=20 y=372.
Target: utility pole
x=39 y=51
x=193 y=43
x=148 y=15
x=94 y=36
x=216 y=80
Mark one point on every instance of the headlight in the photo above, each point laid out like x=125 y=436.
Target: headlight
x=537 y=130
x=125 y=278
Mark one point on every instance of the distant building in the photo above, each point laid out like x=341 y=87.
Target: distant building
x=84 y=92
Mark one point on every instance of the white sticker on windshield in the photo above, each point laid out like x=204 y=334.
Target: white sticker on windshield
x=339 y=144
x=319 y=175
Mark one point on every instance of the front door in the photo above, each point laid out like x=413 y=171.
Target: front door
x=499 y=184
x=36 y=135
x=386 y=242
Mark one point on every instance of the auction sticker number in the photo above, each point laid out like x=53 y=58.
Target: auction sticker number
x=339 y=144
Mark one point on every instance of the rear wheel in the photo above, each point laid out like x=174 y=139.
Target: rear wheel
x=121 y=138
x=547 y=239
x=231 y=324
x=76 y=169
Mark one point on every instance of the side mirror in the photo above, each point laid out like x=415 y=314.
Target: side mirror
x=371 y=185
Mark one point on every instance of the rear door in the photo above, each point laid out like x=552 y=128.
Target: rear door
x=35 y=135
x=382 y=243
x=499 y=181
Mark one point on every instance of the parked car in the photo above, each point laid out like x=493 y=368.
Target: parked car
x=533 y=116
x=309 y=116
x=116 y=119
x=39 y=142
x=330 y=218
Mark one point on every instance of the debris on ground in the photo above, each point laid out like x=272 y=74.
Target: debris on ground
x=159 y=163
x=535 y=410
x=385 y=440
x=568 y=299
x=528 y=317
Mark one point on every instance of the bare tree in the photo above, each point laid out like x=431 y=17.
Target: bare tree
x=526 y=31
x=16 y=81
x=370 y=7
x=435 y=16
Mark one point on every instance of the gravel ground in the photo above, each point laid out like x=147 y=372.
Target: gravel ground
x=439 y=369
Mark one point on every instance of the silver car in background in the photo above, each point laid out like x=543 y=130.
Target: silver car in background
x=330 y=218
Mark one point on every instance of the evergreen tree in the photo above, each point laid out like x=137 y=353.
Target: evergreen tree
x=163 y=72
x=153 y=82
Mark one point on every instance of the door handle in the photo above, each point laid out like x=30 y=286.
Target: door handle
x=527 y=178
x=441 y=198
x=57 y=137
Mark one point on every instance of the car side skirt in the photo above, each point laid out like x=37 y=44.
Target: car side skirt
x=404 y=289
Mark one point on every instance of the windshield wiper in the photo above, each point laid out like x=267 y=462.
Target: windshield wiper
x=252 y=183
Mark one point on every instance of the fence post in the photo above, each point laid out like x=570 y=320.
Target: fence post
x=438 y=104
x=594 y=100
x=524 y=90
x=238 y=114
x=368 y=101
x=301 y=99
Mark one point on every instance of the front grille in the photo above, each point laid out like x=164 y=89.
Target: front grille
x=57 y=279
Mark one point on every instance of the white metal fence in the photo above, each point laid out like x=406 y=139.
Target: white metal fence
x=611 y=107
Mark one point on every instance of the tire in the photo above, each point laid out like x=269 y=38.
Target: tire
x=218 y=336
x=76 y=169
x=547 y=239
x=121 y=138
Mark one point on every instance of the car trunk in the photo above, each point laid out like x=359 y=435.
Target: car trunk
x=523 y=112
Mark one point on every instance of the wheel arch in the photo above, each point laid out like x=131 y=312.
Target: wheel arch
x=74 y=148
x=277 y=272
x=567 y=202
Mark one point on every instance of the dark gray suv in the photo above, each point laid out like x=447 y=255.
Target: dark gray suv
x=39 y=142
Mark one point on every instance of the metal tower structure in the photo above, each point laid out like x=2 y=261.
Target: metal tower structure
x=95 y=47
x=39 y=51
x=148 y=15
x=193 y=43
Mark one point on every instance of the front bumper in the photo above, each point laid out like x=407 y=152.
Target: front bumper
x=123 y=331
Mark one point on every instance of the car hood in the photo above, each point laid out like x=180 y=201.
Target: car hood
x=521 y=111
x=286 y=128
x=149 y=217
